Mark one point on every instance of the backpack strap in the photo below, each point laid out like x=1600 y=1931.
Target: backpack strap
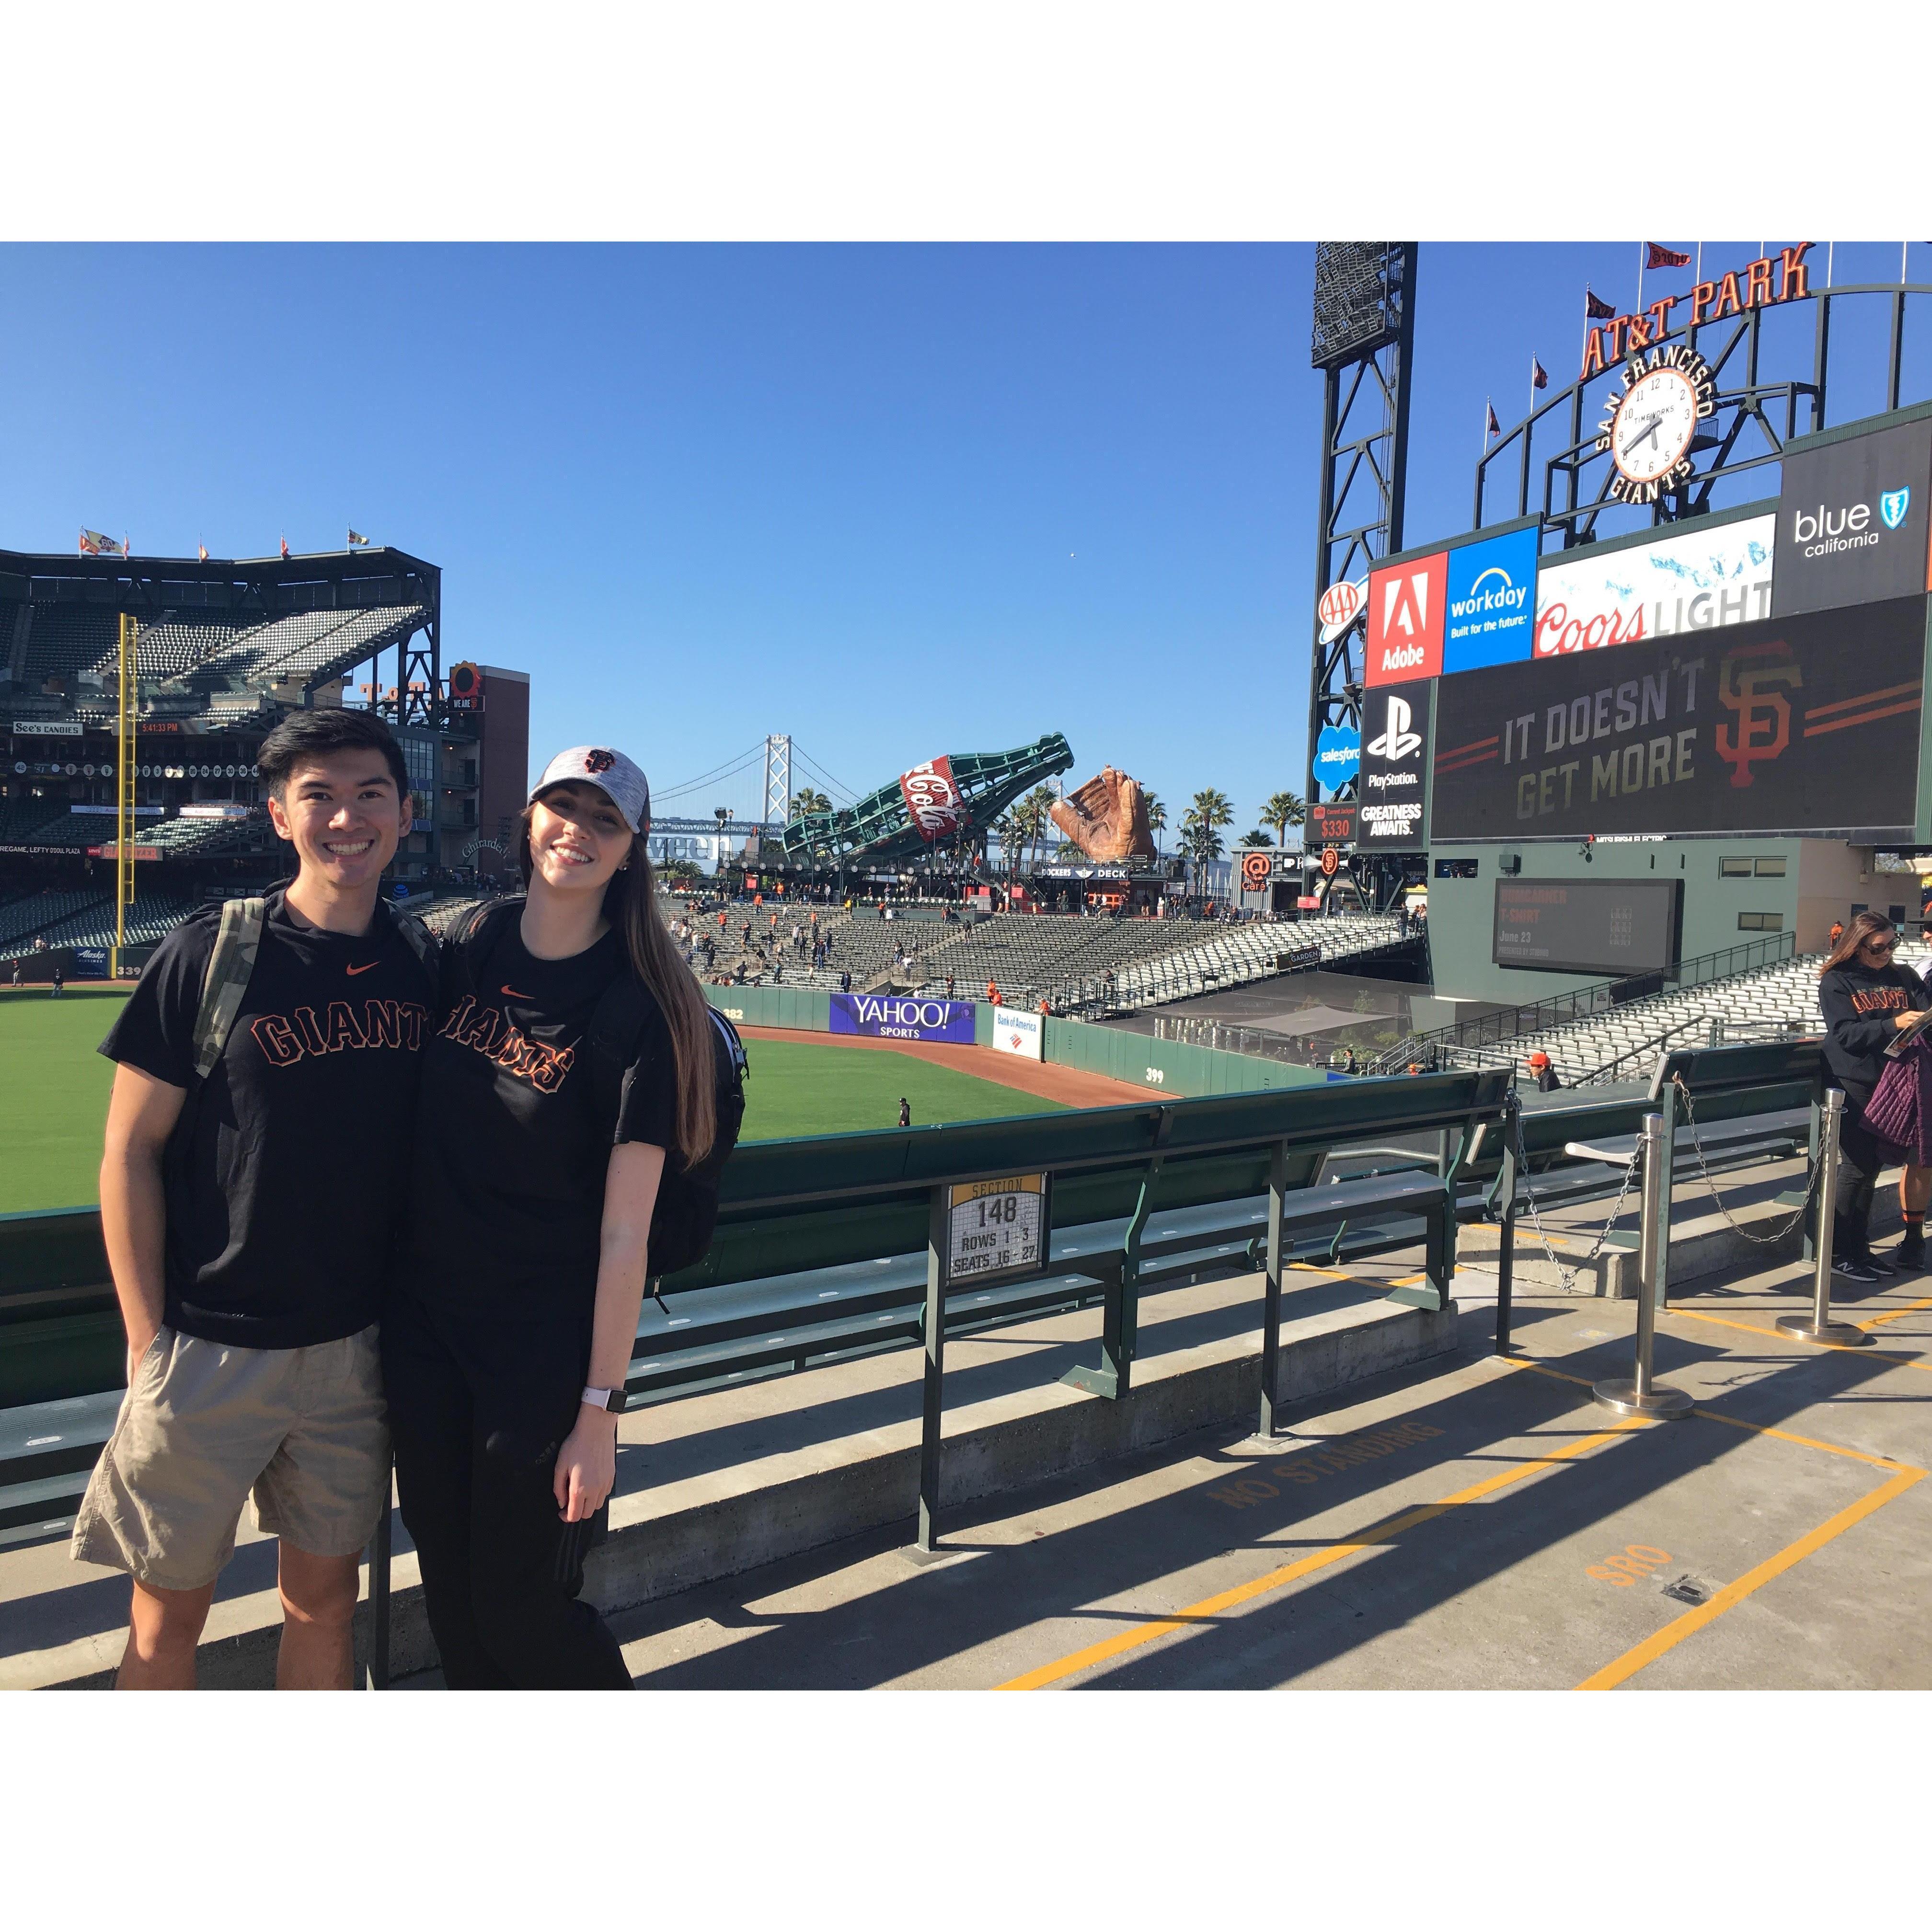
x=423 y=942
x=485 y=922
x=612 y=1038
x=229 y=967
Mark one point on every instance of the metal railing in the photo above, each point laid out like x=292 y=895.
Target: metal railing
x=1602 y=996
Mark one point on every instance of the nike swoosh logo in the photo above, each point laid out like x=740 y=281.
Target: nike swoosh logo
x=513 y=994
x=352 y=970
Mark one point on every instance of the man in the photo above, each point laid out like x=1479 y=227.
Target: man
x=905 y=1111
x=248 y=1195
x=60 y=979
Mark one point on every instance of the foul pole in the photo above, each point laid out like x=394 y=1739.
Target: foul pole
x=124 y=793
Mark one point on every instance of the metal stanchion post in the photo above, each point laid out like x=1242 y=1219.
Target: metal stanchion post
x=1639 y=1395
x=1818 y=1326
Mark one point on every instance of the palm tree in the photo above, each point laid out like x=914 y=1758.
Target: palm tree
x=1037 y=804
x=1255 y=841
x=1006 y=830
x=1284 y=809
x=1203 y=819
x=806 y=803
x=1156 y=816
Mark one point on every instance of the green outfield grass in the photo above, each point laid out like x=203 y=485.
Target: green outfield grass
x=53 y=1094
x=797 y=1090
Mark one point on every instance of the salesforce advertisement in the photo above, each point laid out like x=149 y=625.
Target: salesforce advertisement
x=896 y=1016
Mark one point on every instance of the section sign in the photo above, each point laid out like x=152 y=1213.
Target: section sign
x=1806 y=724
x=1492 y=599
x=1390 y=793
x=1693 y=582
x=1853 y=519
x=1405 y=608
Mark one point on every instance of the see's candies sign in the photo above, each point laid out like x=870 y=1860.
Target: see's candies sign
x=1405 y=606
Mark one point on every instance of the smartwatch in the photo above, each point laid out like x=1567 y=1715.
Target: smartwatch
x=611 y=1401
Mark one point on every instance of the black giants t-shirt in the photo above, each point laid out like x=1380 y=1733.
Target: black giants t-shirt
x=287 y=1170
x=511 y=1149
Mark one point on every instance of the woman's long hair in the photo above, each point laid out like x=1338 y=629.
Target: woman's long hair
x=631 y=905
x=1865 y=925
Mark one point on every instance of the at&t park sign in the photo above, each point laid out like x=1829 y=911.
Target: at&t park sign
x=1765 y=282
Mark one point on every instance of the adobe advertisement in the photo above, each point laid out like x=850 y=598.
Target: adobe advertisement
x=1853 y=521
x=1391 y=790
x=1617 y=927
x=1405 y=632
x=1694 y=582
x=1491 y=600
x=882 y=1016
x=1805 y=724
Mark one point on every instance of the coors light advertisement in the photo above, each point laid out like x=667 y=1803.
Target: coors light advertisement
x=934 y=803
x=1696 y=582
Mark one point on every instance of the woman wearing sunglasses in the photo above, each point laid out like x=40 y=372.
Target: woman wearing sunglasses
x=1868 y=1000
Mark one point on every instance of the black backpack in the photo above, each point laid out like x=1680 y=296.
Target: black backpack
x=686 y=1212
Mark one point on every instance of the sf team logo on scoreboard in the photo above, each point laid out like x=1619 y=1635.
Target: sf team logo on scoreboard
x=1406 y=602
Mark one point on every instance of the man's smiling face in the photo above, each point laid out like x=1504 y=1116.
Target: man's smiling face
x=343 y=815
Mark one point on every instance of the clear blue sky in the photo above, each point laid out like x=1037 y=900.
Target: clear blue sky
x=896 y=500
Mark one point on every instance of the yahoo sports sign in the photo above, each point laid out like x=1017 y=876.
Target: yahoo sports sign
x=891 y=1016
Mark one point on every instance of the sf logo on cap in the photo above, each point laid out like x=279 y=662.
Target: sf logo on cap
x=598 y=761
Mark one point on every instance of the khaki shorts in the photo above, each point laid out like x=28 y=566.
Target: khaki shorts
x=206 y=1423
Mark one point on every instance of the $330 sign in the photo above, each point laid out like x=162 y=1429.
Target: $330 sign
x=996 y=1228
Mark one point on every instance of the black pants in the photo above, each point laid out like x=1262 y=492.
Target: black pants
x=478 y=1408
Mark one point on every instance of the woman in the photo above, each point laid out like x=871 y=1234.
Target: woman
x=508 y=1330
x=1867 y=1000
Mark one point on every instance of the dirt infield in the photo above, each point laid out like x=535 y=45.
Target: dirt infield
x=1072 y=1089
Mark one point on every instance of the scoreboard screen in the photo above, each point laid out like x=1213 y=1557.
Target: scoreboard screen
x=1615 y=927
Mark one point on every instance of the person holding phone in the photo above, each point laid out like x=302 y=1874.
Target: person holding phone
x=1868 y=1000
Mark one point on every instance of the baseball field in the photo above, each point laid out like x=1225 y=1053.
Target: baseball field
x=53 y=1093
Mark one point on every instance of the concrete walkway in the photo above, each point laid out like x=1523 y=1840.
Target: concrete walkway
x=1478 y=1524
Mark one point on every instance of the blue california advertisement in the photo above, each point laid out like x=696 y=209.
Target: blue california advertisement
x=1491 y=602
x=903 y=1016
x=1338 y=755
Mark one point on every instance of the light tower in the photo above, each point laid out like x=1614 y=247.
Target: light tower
x=1363 y=337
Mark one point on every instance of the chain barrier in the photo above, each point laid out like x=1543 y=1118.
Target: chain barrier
x=1567 y=1276
x=1814 y=1167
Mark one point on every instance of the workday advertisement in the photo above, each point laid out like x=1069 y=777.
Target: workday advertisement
x=1492 y=597
x=894 y=1016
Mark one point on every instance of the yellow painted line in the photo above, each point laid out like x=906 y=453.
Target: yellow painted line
x=1779 y=1335
x=1711 y=1414
x=1912 y=1308
x=1261 y=1586
x=1673 y=1633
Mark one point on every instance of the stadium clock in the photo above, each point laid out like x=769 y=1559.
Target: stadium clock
x=1651 y=424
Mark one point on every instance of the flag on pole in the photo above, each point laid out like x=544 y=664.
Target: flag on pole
x=354 y=539
x=202 y=550
x=93 y=544
x=1495 y=428
x=1539 y=376
x=1594 y=306
x=1655 y=257
x=285 y=547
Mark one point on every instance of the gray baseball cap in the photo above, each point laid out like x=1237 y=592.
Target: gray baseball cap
x=610 y=771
